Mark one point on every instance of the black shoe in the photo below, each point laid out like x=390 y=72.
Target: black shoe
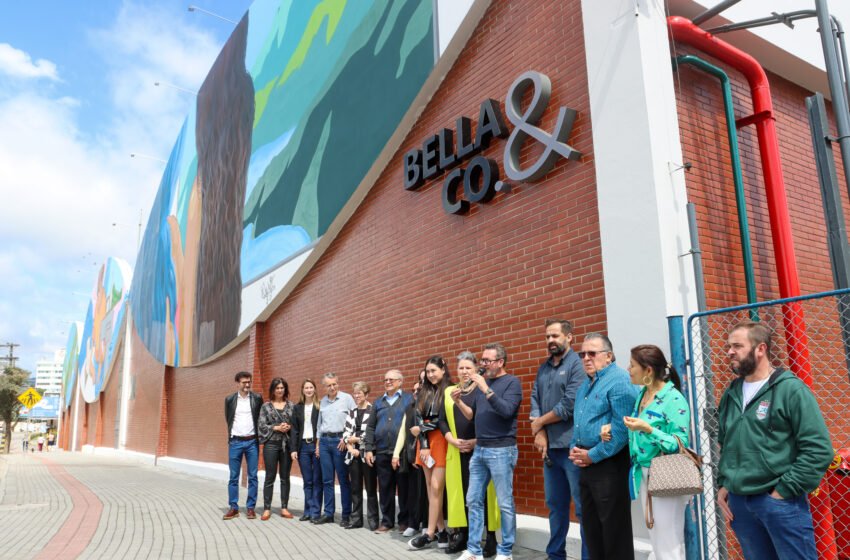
x=353 y=526
x=490 y=545
x=304 y=517
x=442 y=539
x=323 y=519
x=420 y=542
x=457 y=543
x=346 y=523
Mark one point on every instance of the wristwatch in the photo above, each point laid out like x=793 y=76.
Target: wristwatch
x=488 y=393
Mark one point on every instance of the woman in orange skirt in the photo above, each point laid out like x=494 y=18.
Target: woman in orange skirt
x=431 y=450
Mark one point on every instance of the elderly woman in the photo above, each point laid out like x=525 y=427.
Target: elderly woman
x=360 y=471
x=460 y=435
x=274 y=428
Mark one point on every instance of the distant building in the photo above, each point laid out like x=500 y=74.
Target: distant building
x=48 y=374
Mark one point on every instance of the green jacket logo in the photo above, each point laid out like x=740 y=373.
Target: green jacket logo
x=761 y=412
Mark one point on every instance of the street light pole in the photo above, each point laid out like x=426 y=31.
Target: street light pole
x=178 y=88
x=193 y=8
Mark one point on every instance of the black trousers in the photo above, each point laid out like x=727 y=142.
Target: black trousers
x=277 y=460
x=389 y=482
x=606 y=508
x=417 y=499
x=363 y=475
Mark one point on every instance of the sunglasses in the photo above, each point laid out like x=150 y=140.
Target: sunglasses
x=590 y=353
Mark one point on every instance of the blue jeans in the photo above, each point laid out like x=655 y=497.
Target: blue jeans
x=251 y=450
x=768 y=528
x=333 y=460
x=561 y=483
x=496 y=463
x=311 y=475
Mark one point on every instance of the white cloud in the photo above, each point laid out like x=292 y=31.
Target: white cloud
x=64 y=182
x=18 y=64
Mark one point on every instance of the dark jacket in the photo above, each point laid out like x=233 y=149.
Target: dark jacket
x=384 y=423
x=779 y=441
x=298 y=425
x=230 y=410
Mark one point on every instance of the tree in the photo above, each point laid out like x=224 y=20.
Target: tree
x=13 y=382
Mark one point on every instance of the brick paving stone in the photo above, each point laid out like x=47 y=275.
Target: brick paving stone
x=154 y=513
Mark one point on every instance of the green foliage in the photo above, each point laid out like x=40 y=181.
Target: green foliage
x=13 y=382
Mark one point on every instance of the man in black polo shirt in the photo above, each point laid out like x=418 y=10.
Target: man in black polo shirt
x=495 y=410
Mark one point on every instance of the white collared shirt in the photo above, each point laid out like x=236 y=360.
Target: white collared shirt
x=308 y=424
x=243 y=421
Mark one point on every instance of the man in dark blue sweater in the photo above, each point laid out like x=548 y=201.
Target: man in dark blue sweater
x=379 y=441
x=495 y=410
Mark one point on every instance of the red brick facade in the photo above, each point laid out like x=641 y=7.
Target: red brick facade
x=404 y=280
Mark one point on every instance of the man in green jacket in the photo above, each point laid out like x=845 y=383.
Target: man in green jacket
x=775 y=448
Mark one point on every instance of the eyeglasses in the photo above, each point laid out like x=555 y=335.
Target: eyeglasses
x=590 y=353
x=487 y=362
x=393 y=380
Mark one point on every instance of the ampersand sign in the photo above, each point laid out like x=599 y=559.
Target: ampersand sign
x=524 y=127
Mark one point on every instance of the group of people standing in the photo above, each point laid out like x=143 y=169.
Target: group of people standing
x=447 y=450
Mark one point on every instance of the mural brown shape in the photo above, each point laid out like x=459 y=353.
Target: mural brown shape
x=223 y=131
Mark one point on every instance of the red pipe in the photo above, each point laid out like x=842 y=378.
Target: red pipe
x=684 y=31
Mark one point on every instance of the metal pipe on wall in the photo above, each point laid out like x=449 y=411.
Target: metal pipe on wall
x=737 y=175
x=836 y=87
x=682 y=29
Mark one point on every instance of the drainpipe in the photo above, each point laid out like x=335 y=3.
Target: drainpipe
x=737 y=176
x=684 y=31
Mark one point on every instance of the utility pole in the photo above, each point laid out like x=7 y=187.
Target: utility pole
x=10 y=358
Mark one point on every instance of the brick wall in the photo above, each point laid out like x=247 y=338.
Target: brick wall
x=146 y=382
x=710 y=186
x=111 y=405
x=404 y=280
x=196 y=428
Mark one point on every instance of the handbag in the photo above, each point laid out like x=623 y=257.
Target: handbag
x=676 y=474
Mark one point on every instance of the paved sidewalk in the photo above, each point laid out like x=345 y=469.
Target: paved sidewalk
x=69 y=505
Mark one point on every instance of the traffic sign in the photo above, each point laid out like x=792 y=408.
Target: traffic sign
x=29 y=398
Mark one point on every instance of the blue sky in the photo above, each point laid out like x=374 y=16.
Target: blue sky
x=77 y=96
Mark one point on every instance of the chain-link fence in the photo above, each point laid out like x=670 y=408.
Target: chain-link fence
x=812 y=339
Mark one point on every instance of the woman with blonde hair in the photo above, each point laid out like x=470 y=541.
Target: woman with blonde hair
x=360 y=472
x=305 y=417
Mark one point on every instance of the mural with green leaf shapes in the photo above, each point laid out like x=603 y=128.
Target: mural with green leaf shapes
x=295 y=110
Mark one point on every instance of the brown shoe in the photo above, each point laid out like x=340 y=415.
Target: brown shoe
x=285 y=513
x=382 y=530
x=231 y=513
x=267 y=514
x=251 y=514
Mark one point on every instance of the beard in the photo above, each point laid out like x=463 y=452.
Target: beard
x=556 y=349
x=747 y=365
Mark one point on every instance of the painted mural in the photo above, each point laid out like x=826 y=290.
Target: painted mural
x=296 y=108
x=70 y=367
x=103 y=331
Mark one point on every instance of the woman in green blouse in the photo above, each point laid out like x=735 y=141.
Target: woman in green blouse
x=660 y=415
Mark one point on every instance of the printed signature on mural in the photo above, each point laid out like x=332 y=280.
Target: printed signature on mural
x=267 y=289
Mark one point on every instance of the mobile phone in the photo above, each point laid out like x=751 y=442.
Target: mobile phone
x=430 y=462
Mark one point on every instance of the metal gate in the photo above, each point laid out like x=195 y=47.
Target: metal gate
x=825 y=319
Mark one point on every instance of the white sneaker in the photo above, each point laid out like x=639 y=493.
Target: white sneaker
x=409 y=532
x=503 y=557
x=468 y=556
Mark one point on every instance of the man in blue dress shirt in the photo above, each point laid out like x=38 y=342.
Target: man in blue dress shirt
x=553 y=398
x=605 y=397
